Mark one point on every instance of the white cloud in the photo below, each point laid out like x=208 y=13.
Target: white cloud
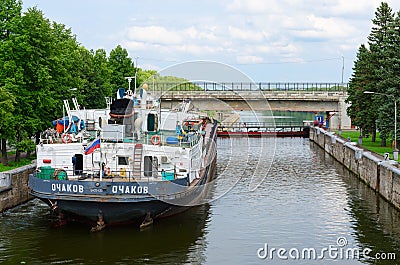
x=247 y=35
x=249 y=59
x=254 y=6
x=259 y=32
x=325 y=28
x=154 y=34
x=230 y=31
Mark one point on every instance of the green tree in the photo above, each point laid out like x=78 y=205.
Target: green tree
x=39 y=68
x=146 y=76
x=121 y=66
x=173 y=83
x=10 y=10
x=378 y=40
x=10 y=18
x=362 y=112
x=6 y=113
x=390 y=79
x=97 y=79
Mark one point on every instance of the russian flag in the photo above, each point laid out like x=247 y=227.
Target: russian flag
x=92 y=146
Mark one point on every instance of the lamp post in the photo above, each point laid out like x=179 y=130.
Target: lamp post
x=395 y=150
x=136 y=69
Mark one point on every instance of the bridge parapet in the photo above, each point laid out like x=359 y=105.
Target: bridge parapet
x=249 y=86
x=256 y=95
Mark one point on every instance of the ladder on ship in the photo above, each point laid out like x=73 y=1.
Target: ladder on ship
x=69 y=114
x=137 y=160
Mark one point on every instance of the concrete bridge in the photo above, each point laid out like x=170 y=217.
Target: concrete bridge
x=310 y=97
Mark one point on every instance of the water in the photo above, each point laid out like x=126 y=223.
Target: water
x=306 y=201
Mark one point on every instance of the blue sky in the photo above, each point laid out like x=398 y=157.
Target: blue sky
x=268 y=40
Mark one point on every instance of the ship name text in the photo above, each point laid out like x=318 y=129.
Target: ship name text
x=67 y=188
x=130 y=189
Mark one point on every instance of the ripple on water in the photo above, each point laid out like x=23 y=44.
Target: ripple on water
x=305 y=199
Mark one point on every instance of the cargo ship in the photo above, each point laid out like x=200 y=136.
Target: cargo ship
x=131 y=162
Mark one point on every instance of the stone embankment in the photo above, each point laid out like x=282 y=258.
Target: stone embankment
x=381 y=175
x=14 y=187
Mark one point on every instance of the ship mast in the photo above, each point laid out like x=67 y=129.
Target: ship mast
x=129 y=78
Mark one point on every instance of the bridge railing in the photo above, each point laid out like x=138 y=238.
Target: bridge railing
x=249 y=86
x=260 y=124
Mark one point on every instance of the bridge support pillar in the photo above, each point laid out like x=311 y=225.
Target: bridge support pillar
x=341 y=119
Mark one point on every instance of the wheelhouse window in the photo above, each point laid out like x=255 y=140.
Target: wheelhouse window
x=123 y=160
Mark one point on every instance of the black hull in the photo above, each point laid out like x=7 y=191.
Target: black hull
x=112 y=213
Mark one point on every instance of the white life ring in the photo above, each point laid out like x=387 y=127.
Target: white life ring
x=66 y=138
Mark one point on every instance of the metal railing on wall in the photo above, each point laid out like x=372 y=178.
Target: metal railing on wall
x=249 y=86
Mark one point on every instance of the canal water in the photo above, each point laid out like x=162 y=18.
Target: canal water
x=304 y=200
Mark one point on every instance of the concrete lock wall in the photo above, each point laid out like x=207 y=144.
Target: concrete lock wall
x=381 y=175
x=14 y=187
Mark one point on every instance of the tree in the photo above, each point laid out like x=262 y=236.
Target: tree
x=39 y=69
x=10 y=18
x=10 y=11
x=6 y=109
x=390 y=80
x=40 y=63
x=362 y=112
x=97 y=76
x=378 y=41
x=121 y=66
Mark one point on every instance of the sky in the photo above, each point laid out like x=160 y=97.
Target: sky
x=267 y=40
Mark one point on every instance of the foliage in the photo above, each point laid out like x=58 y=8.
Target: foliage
x=95 y=75
x=361 y=111
x=121 y=66
x=7 y=101
x=10 y=11
x=42 y=63
x=172 y=83
x=25 y=145
x=376 y=69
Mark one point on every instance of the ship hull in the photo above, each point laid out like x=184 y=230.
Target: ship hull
x=121 y=203
x=146 y=194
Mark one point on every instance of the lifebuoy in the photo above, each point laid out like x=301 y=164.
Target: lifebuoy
x=155 y=140
x=66 y=138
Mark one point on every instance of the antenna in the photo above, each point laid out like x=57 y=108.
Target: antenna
x=129 y=78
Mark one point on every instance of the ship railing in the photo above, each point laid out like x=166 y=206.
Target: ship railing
x=158 y=138
x=121 y=175
x=53 y=137
x=187 y=141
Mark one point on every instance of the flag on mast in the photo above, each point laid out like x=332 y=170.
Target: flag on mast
x=92 y=146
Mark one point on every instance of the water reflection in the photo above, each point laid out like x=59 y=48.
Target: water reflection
x=28 y=237
x=306 y=199
x=375 y=222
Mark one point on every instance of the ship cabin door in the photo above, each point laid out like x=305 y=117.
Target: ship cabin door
x=77 y=161
x=150 y=166
x=152 y=122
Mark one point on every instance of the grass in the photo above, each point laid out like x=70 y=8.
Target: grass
x=368 y=144
x=13 y=164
